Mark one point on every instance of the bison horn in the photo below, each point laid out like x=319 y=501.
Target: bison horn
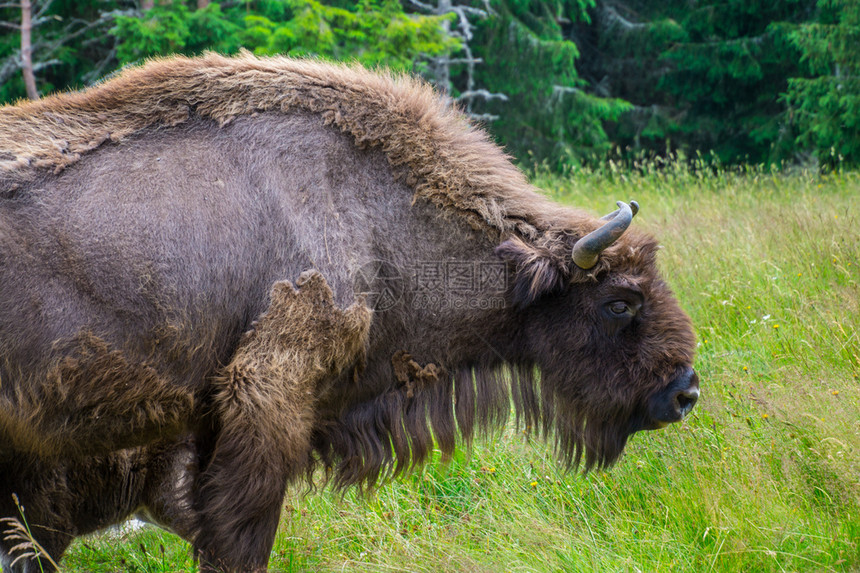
x=589 y=247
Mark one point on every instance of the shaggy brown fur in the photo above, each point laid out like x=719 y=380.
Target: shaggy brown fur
x=445 y=159
x=78 y=387
x=302 y=340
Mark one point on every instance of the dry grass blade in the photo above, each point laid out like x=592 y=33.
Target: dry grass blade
x=17 y=533
x=26 y=546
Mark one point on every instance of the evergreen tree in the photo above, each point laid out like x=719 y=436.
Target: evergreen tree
x=704 y=76
x=825 y=107
x=551 y=115
x=372 y=32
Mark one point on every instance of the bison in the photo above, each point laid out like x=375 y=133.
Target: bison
x=155 y=357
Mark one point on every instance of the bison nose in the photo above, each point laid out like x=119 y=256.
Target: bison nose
x=677 y=400
x=685 y=400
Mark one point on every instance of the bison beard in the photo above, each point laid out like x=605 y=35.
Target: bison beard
x=147 y=222
x=396 y=432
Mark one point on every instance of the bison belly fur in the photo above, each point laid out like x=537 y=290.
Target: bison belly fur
x=156 y=359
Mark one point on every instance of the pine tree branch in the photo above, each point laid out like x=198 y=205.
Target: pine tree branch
x=42 y=65
x=41 y=11
x=459 y=60
x=482 y=94
x=483 y=117
x=754 y=40
x=613 y=18
x=422 y=5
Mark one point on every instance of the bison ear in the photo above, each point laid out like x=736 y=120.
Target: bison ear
x=537 y=271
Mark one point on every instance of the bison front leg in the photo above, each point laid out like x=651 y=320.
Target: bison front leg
x=265 y=401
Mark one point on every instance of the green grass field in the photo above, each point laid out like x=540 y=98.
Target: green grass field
x=763 y=476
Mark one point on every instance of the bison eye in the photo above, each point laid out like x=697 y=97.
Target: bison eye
x=619 y=307
x=619 y=313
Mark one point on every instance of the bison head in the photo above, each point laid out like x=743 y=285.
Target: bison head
x=613 y=348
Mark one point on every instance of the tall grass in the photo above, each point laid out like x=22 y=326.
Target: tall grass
x=765 y=474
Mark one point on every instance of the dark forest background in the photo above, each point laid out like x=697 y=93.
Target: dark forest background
x=558 y=83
